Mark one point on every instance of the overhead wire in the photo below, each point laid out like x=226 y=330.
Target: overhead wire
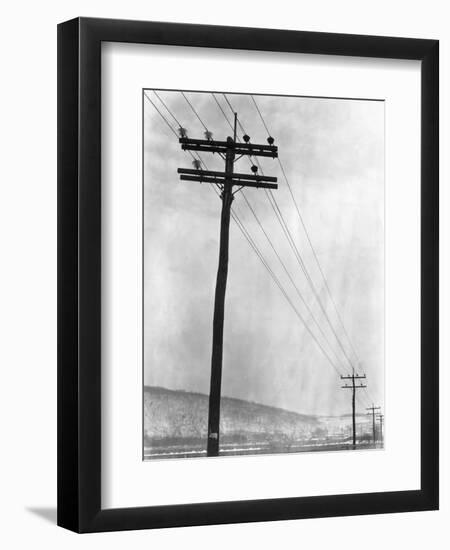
x=273 y=202
x=194 y=111
x=282 y=223
x=245 y=232
x=195 y=156
x=254 y=246
x=167 y=109
x=286 y=270
x=302 y=264
x=305 y=229
x=281 y=288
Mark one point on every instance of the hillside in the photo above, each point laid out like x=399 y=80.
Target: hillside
x=175 y=426
x=178 y=415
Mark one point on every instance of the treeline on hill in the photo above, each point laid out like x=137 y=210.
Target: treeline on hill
x=176 y=417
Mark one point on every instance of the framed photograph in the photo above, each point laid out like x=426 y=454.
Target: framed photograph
x=248 y=275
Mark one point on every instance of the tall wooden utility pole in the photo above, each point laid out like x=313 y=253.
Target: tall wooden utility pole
x=354 y=387
x=380 y=419
x=372 y=410
x=231 y=150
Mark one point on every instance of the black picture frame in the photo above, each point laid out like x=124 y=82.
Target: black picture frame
x=79 y=274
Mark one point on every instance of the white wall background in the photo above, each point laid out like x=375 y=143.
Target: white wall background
x=28 y=273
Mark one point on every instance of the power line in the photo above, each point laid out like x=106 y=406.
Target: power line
x=283 y=291
x=249 y=158
x=261 y=257
x=195 y=158
x=194 y=111
x=288 y=273
x=299 y=256
x=249 y=239
x=304 y=269
x=232 y=110
x=318 y=264
x=286 y=231
x=161 y=115
x=310 y=241
x=244 y=231
x=258 y=221
x=291 y=242
x=167 y=109
x=260 y=114
x=314 y=252
x=339 y=317
x=288 y=235
x=222 y=111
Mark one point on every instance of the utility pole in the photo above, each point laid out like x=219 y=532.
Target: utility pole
x=372 y=410
x=354 y=387
x=380 y=419
x=231 y=151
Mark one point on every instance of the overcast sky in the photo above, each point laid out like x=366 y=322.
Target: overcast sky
x=333 y=155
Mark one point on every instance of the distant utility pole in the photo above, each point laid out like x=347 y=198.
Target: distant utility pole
x=372 y=410
x=380 y=419
x=230 y=150
x=354 y=387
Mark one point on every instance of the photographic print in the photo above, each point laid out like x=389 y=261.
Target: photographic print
x=263 y=274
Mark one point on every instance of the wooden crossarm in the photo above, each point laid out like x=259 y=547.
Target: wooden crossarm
x=222 y=181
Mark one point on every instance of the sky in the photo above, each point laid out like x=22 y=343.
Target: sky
x=332 y=152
